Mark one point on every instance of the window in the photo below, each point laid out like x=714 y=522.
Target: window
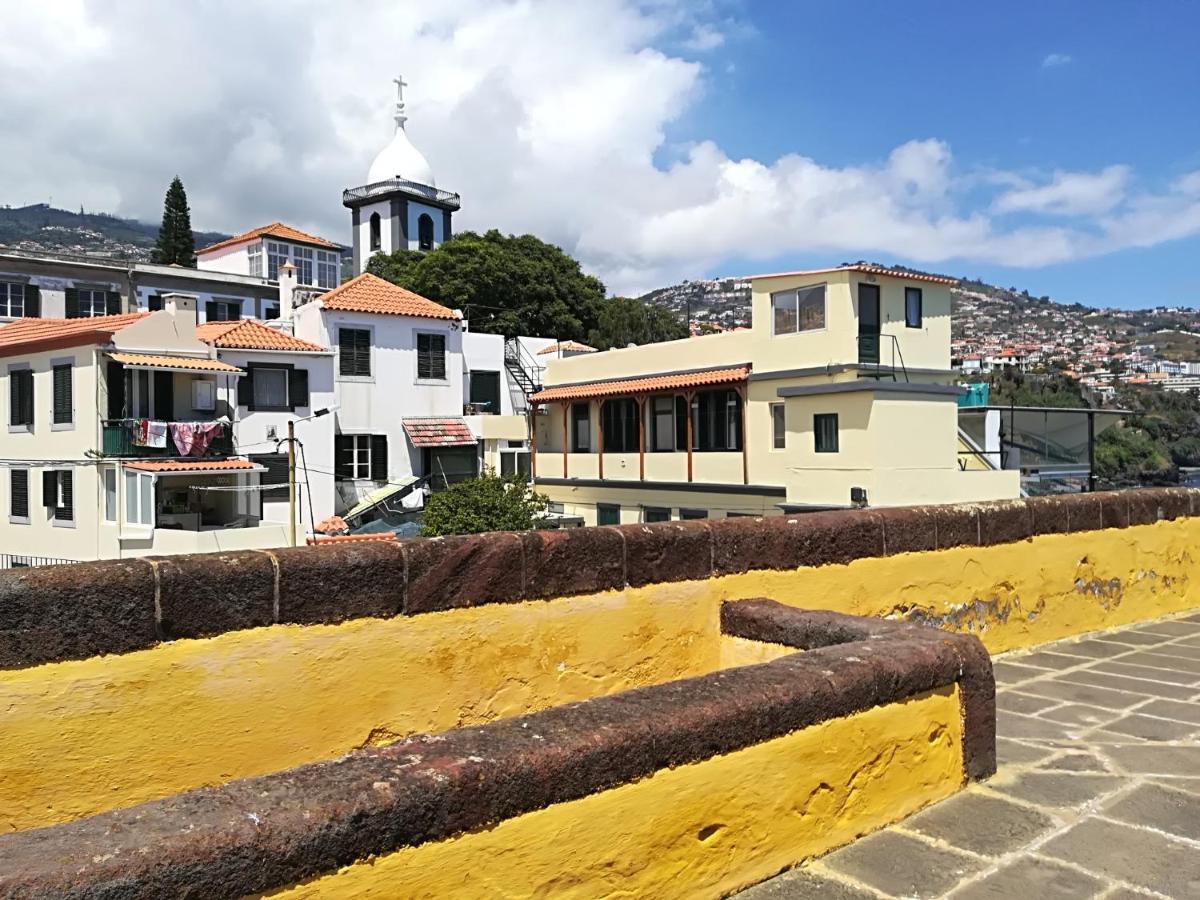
x=110 y=495
x=431 y=356
x=204 y=395
x=717 y=421
x=273 y=388
x=608 y=514
x=20 y=398
x=277 y=255
x=825 y=432
x=619 y=425
x=255 y=253
x=139 y=498
x=693 y=513
x=63 y=409
x=86 y=303
x=354 y=352
x=271 y=311
x=137 y=393
x=425 y=232
x=223 y=310
x=912 y=307
x=328 y=264
x=270 y=389
x=12 y=299
x=515 y=460
x=668 y=424
x=18 y=509
x=58 y=493
x=485 y=391
x=361 y=457
x=656 y=514
x=304 y=264
x=799 y=310
x=778 y=427
x=376 y=233
x=276 y=465
x=581 y=428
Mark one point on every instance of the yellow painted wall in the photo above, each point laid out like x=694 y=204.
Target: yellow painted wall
x=85 y=736
x=696 y=831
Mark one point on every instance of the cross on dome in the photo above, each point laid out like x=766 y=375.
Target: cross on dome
x=400 y=159
x=401 y=84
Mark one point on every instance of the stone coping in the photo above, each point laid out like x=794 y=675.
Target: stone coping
x=84 y=610
x=276 y=830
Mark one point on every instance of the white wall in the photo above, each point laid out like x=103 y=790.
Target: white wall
x=384 y=208
x=53 y=289
x=251 y=308
x=233 y=259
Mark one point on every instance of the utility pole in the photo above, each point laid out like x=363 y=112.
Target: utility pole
x=291 y=442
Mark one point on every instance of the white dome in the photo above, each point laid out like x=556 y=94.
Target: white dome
x=400 y=159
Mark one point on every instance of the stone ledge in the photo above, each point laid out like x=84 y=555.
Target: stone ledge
x=83 y=610
x=276 y=830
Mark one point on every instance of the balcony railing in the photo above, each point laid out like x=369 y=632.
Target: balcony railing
x=412 y=188
x=117 y=440
x=880 y=356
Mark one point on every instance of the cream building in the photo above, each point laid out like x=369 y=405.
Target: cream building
x=840 y=394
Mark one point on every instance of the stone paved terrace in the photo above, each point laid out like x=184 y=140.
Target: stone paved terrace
x=1097 y=793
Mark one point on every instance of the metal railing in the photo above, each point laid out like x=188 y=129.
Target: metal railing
x=19 y=561
x=412 y=188
x=871 y=350
x=117 y=441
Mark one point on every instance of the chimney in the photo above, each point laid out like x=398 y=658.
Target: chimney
x=182 y=308
x=287 y=291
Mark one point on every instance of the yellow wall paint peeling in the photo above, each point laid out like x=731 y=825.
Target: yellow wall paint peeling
x=700 y=830
x=77 y=738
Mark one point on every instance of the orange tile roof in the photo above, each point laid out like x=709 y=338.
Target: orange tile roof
x=275 y=230
x=371 y=294
x=250 y=334
x=200 y=465
x=29 y=334
x=650 y=384
x=182 y=363
x=568 y=347
x=868 y=270
x=351 y=538
x=438 y=432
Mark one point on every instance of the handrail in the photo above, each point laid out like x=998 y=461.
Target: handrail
x=414 y=188
x=869 y=342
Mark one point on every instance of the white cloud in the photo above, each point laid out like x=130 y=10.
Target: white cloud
x=1053 y=60
x=547 y=117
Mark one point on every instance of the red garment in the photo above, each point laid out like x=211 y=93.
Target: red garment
x=193 y=438
x=183 y=434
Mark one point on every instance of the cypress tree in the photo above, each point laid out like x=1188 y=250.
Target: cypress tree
x=176 y=243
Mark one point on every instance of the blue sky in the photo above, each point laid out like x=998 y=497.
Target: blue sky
x=1021 y=87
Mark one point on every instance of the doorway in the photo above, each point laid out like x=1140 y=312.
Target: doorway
x=868 y=324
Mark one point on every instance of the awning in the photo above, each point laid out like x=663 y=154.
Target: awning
x=196 y=467
x=649 y=384
x=374 y=498
x=438 y=432
x=175 y=363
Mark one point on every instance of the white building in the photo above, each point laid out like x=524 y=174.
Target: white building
x=260 y=253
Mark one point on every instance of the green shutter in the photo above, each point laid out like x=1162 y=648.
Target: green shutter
x=63 y=412
x=343 y=456
x=19 y=485
x=379 y=457
x=112 y=304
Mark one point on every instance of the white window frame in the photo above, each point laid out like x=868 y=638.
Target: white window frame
x=8 y=292
x=420 y=379
x=227 y=305
x=778 y=440
x=133 y=409
x=111 y=498
x=516 y=453
x=92 y=295
x=277 y=255
x=328 y=264
x=254 y=254
x=260 y=373
x=204 y=395
x=337 y=362
x=303 y=259
x=356 y=465
x=142 y=494
x=795 y=295
x=55 y=521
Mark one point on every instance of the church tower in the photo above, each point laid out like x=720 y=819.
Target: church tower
x=400 y=206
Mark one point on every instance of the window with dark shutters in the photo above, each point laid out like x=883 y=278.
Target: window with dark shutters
x=155 y=302
x=379 y=457
x=64 y=504
x=20 y=397
x=33 y=301
x=72 y=301
x=112 y=304
x=19 y=493
x=276 y=465
x=431 y=356
x=354 y=352
x=115 y=382
x=63 y=404
x=343 y=456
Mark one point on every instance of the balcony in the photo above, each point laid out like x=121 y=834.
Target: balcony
x=117 y=441
x=398 y=185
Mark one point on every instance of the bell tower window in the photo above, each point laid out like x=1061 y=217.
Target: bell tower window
x=376 y=233
x=425 y=232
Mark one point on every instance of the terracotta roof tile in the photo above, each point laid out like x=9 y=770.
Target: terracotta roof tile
x=275 y=230
x=199 y=465
x=438 y=432
x=250 y=334
x=868 y=270
x=30 y=333
x=567 y=347
x=648 y=385
x=183 y=363
x=371 y=294
x=352 y=538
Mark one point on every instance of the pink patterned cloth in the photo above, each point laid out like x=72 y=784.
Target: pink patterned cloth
x=193 y=438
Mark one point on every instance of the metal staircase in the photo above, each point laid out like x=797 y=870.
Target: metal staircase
x=522 y=369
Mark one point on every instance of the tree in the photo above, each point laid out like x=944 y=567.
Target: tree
x=505 y=284
x=624 y=320
x=490 y=502
x=176 y=243
x=1129 y=456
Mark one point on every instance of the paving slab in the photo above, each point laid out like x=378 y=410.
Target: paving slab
x=1011 y=673
x=1156 y=759
x=800 y=884
x=903 y=866
x=1087 y=694
x=981 y=823
x=1150 y=728
x=1045 y=659
x=1076 y=762
x=1009 y=752
x=1093 y=649
x=1139 y=687
x=1026 y=704
x=1080 y=714
x=1057 y=789
x=1154 y=806
x=1029 y=727
x=1134 y=855
x=1172 y=709
x=1120 y=667
x=1030 y=878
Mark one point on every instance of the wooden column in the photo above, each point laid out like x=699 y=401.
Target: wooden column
x=600 y=434
x=687 y=399
x=741 y=392
x=566 y=444
x=641 y=402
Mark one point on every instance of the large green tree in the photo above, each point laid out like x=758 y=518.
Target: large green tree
x=505 y=284
x=626 y=320
x=490 y=502
x=176 y=243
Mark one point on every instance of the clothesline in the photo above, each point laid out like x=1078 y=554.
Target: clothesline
x=189 y=438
